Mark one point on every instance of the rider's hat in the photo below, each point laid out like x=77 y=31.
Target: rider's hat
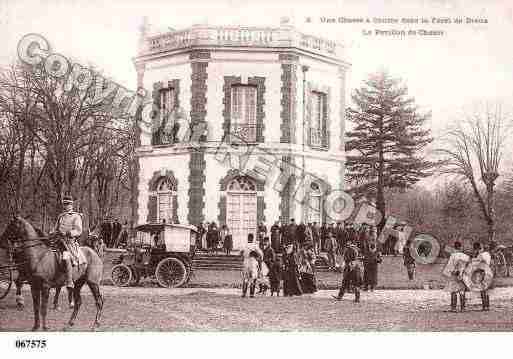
x=67 y=199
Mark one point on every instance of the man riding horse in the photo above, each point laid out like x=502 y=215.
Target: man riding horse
x=68 y=229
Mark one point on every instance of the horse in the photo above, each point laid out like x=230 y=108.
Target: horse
x=20 y=279
x=43 y=272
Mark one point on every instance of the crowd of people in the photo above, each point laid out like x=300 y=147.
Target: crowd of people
x=112 y=233
x=330 y=238
x=289 y=253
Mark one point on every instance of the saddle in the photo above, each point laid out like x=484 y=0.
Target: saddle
x=59 y=244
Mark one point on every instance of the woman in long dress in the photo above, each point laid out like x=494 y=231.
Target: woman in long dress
x=291 y=283
x=307 y=269
x=371 y=260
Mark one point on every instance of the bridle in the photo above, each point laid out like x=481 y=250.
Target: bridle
x=13 y=250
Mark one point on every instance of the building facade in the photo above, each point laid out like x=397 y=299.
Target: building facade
x=250 y=126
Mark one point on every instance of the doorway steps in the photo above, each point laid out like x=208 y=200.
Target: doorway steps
x=212 y=261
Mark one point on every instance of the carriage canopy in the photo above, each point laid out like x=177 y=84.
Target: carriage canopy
x=172 y=237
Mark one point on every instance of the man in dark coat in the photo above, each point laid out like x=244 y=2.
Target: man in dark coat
x=409 y=261
x=201 y=231
x=316 y=236
x=212 y=237
x=275 y=237
x=340 y=235
x=116 y=230
x=269 y=256
x=301 y=234
x=324 y=236
x=291 y=233
x=261 y=232
x=106 y=232
x=352 y=275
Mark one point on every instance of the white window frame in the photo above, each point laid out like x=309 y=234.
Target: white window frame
x=244 y=106
x=167 y=99
x=318 y=109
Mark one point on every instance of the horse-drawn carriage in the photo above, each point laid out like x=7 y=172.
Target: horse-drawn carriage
x=161 y=250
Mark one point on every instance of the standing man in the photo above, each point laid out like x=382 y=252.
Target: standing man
x=116 y=230
x=331 y=249
x=250 y=269
x=261 y=232
x=352 y=275
x=106 y=232
x=453 y=273
x=324 y=236
x=316 y=236
x=275 y=237
x=292 y=233
x=409 y=261
x=69 y=229
x=339 y=235
x=268 y=257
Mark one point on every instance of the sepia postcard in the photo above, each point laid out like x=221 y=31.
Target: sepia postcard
x=265 y=167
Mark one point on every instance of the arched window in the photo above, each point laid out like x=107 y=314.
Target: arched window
x=165 y=192
x=241 y=184
x=315 y=203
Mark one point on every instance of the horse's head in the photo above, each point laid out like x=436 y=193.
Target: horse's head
x=17 y=229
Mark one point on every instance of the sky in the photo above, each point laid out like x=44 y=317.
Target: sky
x=445 y=74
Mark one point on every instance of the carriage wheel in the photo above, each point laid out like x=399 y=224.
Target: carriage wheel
x=171 y=273
x=5 y=283
x=121 y=275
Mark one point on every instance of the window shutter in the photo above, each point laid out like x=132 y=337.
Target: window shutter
x=152 y=209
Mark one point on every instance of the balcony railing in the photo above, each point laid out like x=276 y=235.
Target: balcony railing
x=317 y=138
x=243 y=133
x=206 y=35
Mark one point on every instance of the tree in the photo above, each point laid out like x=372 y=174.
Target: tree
x=54 y=141
x=385 y=145
x=473 y=150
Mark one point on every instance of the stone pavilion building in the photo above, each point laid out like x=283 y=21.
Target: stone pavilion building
x=269 y=105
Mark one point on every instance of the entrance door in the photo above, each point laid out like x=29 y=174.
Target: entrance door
x=241 y=211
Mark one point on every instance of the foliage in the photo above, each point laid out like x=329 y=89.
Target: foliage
x=54 y=142
x=385 y=146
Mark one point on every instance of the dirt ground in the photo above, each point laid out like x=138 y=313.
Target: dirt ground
x=187 y=309
x=391 y=275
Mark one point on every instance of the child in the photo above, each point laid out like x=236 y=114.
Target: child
x=453 y=272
